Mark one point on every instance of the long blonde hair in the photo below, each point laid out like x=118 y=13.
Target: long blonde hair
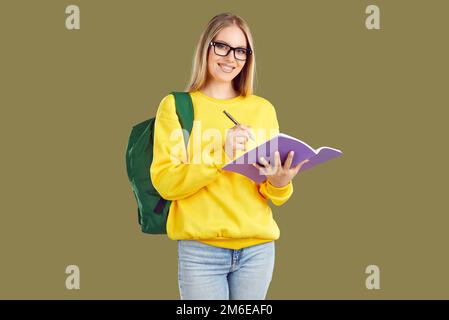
x=244 y=81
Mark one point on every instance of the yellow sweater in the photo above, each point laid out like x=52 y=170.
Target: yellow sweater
x=211 y=205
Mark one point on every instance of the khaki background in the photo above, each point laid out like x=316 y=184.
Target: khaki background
x=69 y=99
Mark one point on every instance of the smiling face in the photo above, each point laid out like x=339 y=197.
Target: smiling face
x=224 y=69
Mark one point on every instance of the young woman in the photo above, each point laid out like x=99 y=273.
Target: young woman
x=221 y=220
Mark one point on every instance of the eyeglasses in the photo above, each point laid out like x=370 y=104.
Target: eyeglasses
x=223 y=50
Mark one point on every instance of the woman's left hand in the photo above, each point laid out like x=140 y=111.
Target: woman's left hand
x=279 y=175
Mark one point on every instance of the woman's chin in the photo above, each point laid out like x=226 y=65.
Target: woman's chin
x=224 y=77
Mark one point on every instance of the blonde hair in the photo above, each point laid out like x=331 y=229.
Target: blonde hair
x=244 y=81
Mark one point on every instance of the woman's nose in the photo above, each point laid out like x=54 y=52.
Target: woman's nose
x=230 y=56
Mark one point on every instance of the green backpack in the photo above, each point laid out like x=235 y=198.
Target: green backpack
x=152 y=209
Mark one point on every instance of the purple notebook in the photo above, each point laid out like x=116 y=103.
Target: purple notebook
x=284 y=144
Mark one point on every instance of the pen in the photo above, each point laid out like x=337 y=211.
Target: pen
x=237 y=123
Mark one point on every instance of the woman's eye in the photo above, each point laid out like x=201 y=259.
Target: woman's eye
x=241 y=51
x=220 y=46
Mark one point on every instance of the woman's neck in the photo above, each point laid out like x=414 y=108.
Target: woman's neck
x=220 y=90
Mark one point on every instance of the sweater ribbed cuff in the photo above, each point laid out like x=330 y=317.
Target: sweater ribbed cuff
x=279 y=191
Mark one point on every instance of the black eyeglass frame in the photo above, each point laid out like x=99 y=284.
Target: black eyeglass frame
x=248 y=50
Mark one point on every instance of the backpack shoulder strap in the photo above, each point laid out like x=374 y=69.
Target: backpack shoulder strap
x=184 y=110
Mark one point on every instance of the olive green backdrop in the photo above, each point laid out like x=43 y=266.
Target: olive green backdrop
x=69 y=99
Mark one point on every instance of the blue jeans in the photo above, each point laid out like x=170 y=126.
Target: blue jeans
x=211 y=273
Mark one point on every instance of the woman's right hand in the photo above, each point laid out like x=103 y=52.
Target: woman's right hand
x=236 y=139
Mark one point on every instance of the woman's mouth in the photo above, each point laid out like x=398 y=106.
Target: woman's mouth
x=225 y=68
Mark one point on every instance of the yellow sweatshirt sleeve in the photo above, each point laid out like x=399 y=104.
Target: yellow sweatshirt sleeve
x=277 y=195
x=172 y=175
